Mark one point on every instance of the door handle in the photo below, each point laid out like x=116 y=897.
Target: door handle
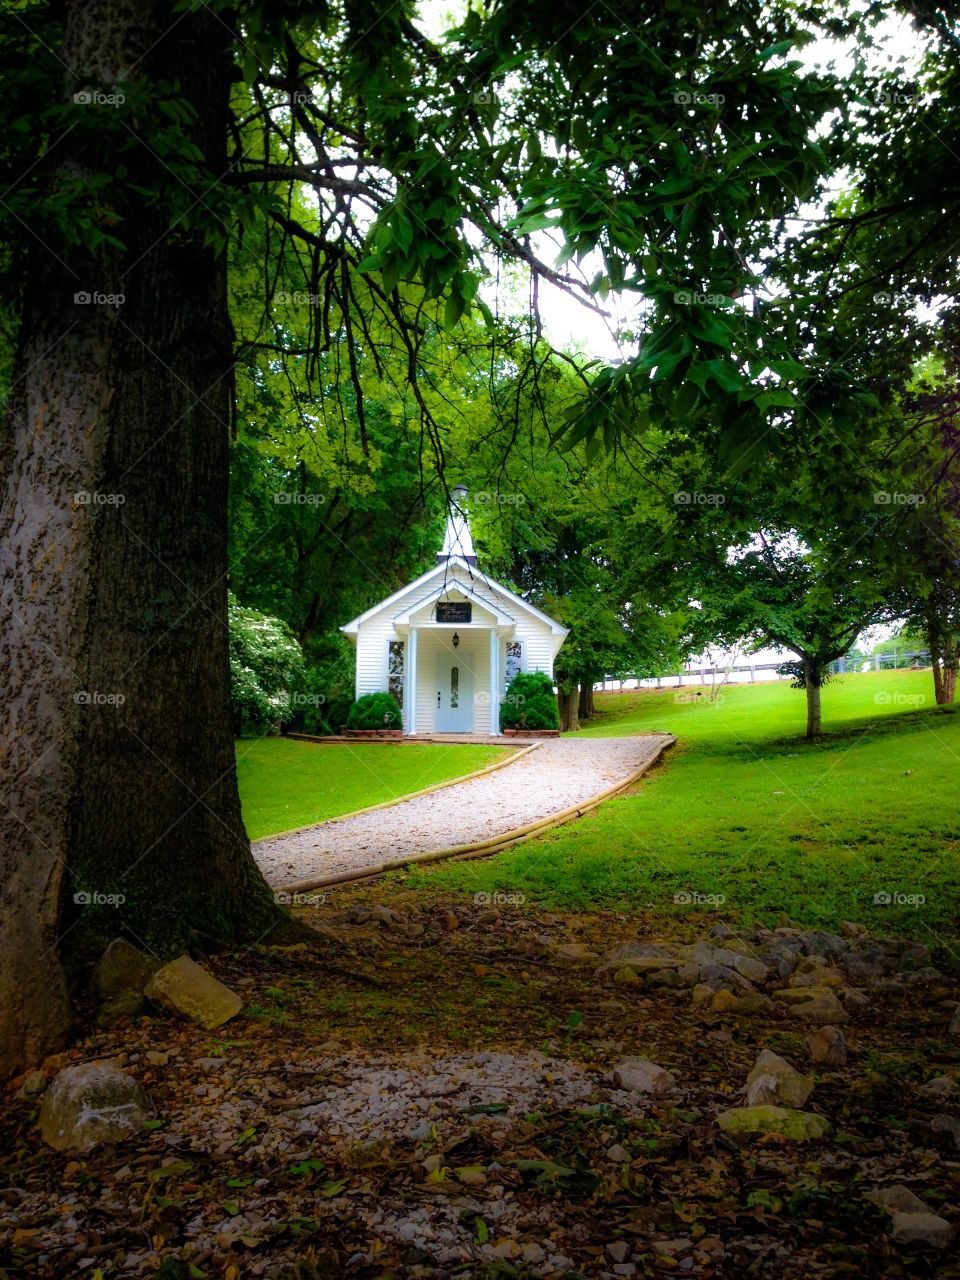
x=439 y=697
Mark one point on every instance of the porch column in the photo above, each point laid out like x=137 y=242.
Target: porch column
x=494 y=682
x=412 y=683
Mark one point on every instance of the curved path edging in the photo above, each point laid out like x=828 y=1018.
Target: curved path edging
x=515 y=755
x=482 y=848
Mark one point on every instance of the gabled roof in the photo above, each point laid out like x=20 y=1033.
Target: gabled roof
x=405 y=615
x=443 y=572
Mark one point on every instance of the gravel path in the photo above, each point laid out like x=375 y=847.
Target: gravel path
x=560 y=773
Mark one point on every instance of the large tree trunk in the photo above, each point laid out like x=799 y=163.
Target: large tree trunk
x=567 y=700
x=811 y=684
x=585 y=708
x=118 y=767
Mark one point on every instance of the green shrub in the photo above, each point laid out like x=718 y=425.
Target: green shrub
x=266 y=668
x=375 y=711
x=530 y=703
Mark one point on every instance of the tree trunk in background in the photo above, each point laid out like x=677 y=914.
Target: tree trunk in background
x=812 y=686
x=567 y=700
x=944 y=658
x=118 y=766
x=585 y=709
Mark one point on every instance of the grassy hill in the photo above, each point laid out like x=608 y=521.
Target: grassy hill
x=745 y=809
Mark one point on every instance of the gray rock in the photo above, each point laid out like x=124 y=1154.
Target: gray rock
x=824 y=1007
x=865 y=966
x=773 y=1080
x=827 y=1045
x=817 y=943
x=122 y=968
x=90 y=1104
x=618 y=1154
x=618 y=1250
x=922 y=1228
x=34 y=1084
x=940 y=1087
x=943 y=1123
x=746 y=966
x=896 y=1199
x=640 y=1075
x=183 y=987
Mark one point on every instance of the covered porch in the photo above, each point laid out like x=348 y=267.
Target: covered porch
x=455 y=674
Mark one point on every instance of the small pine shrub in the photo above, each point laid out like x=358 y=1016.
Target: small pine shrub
x=375 y=711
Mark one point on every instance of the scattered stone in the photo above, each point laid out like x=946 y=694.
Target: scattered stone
x=773 y=1080
x=850 y=929
x=854 y=1001
x=940 y=1087
x=619 y=1155
x=922 y=1228
x=183 y=987
x=798 y=1126
x=156 y=1058
x=34 y=1084
x=703 y=993
x=90 y=1104
x=574 y=953
x=823 y=976
x=618 y=1250
x=896 y=1199
x=943 y=1123
x=827 y=1045
x=667 y=1248
x=746 y=966
x=640 y=1075
x=128 y=1004
x=123 y=967
x=824 y=1007
x=723 y=1001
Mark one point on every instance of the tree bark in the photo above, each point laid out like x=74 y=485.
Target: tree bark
x=118 y=767
x=567 y=700
x=585 y=708
x=811 y=684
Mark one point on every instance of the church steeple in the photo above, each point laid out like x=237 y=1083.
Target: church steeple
x=457 y=540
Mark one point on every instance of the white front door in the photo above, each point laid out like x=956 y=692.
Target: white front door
x=454 y=694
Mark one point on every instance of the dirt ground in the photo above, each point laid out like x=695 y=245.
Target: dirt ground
x=429 y=1093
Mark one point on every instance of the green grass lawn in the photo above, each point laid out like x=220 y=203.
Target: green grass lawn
x=286 y=784
x=745 y=808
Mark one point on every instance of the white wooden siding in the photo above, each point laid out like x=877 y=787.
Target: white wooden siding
x=537 y=639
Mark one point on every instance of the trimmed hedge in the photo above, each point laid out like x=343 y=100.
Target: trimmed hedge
x=530 y=703
x=375 y=711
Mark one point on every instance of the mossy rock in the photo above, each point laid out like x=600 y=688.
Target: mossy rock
x=797 y=1126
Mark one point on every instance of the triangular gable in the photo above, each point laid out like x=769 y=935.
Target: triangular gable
x=405 y=615
x=443 y=570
